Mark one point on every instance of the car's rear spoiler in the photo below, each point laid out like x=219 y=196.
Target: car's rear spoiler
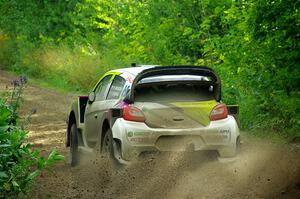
x=179 y=70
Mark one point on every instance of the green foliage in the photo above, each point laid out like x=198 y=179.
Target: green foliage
x=262 y=57
x=252 y=44
x=7 y=52
x=19 y=164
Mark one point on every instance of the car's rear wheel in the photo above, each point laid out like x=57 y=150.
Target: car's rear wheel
x=74 y=154
x=108 y=150
x=238 y=145
x=233 y=152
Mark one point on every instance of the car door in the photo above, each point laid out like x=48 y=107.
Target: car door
x=95 y=110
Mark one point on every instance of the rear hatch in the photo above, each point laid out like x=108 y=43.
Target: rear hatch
x=175 y=101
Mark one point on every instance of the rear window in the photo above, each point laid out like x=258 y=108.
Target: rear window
x=174 y=92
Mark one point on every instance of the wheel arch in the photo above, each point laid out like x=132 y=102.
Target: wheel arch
x=105 y=126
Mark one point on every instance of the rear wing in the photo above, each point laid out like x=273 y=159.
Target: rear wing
x=179 y=70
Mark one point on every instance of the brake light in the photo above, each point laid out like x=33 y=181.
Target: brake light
x=132 y=113
x=219 y=112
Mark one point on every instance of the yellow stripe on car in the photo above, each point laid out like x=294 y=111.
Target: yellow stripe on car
x=198 y=111
x=113 y=73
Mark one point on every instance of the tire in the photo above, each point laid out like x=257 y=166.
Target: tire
x=108 y=150
x=74 y=154
x=235 y=152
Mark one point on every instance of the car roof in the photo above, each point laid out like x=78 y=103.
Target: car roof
x=134 y=71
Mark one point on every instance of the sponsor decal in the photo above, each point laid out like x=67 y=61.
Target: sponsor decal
x=130 y=134
x=135 y=134
x=138 y=136
x=139 y=133
x=130 y=79
x=137 y=139
x=225 y=131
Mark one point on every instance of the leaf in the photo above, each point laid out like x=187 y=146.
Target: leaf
x=4 y=115
x=3 y=174
x=41 y=162
x=59 y=157
x=15 y=184
x=4 y=128
x=33 y=175
x=5 y=145
x=5 y=154
x=54 y=157
x=6 y=186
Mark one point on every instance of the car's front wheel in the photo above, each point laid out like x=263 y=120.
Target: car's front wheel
x=74 y=154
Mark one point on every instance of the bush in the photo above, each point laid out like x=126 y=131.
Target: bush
x=19 y=163
x=7 y=52
x=61 y=65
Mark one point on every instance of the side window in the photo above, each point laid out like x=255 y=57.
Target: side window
x=102 y=87
x=116 y=88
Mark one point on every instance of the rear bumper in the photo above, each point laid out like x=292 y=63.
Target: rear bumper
x=136 y=137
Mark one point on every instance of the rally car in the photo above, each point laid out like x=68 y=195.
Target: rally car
x=153 y=109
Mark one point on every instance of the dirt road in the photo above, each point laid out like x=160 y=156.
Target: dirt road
x=263 y=169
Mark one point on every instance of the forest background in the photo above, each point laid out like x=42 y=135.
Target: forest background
x=254 y=45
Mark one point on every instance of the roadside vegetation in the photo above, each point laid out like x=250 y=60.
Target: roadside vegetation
x=20 y=162
x=253 y=45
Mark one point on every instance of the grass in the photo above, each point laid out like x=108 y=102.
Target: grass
x=54 y=83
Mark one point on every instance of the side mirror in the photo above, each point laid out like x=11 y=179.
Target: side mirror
x=92 y=97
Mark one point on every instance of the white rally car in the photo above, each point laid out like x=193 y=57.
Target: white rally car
x=153 y=108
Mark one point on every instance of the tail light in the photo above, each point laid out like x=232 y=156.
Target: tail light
x=219 y=112
x=132 y=113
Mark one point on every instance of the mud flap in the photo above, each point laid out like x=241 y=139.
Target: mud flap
x=117 y=154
